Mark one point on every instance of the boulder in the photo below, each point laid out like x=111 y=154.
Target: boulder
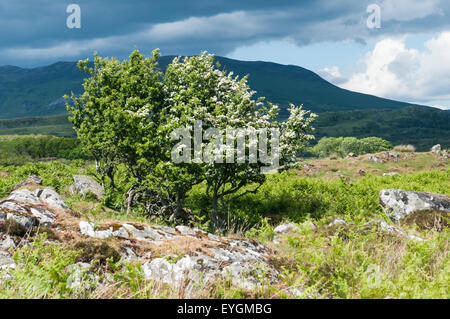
x=84 y=184
x=182 y=257
x=436 y=149
x=31 y=208
x=7 y=243
x=32 y=180
x=338 y=221
x=6 y=262
x=201 y=257
x=285 y=228
x=400 y=203
x=50 y=197
x=375 y=159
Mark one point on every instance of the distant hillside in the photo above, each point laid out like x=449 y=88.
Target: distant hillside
x=39 y=91
x=421 y=126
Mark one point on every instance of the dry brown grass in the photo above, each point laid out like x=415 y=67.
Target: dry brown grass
x=351 y=168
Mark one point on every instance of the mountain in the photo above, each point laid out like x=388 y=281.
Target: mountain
x=39 y=91
x=29 y=96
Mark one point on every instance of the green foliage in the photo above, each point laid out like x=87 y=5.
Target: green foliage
x=286 y=196
x=341 y=146
x=327 y=146
x=422 y=127
x=130 y=114
x=41 y=273
x=55 y=174
x=361 y=263
x=17 y=150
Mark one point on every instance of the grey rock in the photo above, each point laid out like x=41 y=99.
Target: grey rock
x=338 y=221
x=25 y=221
x=7 y=243
x=375 y=159
x=147 y=233
x=391 y=174
x=393 y=154
x=184 y=230
x=445 y=155
x=436 y=149
x=24 y=196
x=50 y=197
x=400 y=203
x=81 y=277
x=285 y=228
x=174 y=274
x=32 y=180
x=87 y=229
x=6 y=262
x=24 y=207
x=127 y=254
x=249 y=276
x=45 y=217
x=84 y=184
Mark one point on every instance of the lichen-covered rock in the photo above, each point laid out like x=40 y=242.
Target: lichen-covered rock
x=436 y=149
x=81 y=277
x=6 y=262
x=84 y=184
x=49 y=196
x=400 y=203
x=285 y=228
x=180 y=256
x=338 y=221
x=30 y=208
x=375 y=159
x=87 y=229
x=7 y=243
x=32 y=180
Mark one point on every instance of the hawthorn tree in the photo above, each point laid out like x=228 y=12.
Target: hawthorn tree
x=224 y=105
x=118 y=115
x=131 y=113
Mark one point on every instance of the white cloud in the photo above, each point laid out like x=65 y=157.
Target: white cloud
x=394 y=71
x=442 y=107
x=332 y=74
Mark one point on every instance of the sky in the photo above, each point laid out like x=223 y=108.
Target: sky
x=405 y=57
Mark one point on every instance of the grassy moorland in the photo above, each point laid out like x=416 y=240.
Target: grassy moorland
x=349 y=261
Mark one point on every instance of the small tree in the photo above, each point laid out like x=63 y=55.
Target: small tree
x=224 y=104
x=130 y=114
x=117 y=117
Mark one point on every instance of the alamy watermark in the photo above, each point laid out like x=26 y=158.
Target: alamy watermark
x=73 y=21
x=374 y=19
x=227 y=146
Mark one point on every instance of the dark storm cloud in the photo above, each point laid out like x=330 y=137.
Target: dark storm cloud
x=35 y=32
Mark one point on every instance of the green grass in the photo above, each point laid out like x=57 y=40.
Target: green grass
x=354 y=261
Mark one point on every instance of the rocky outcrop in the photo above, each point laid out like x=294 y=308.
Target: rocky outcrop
x=180 y=256
x=438 y=151
x=400 y=203
x=84 y=184
x=32 y=208
x=389 y=156
x=201 y=257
